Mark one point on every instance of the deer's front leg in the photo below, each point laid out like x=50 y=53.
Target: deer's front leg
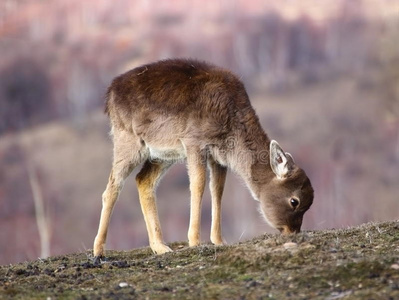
x=196 y=165
x=216 y=185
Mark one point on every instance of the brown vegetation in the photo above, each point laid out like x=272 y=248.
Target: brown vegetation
x=355 y=263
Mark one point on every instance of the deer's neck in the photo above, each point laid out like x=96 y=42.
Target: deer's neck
x=249 y=157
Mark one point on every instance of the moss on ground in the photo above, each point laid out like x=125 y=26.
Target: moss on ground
x=355 y=263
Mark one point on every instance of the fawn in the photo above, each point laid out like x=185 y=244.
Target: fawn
x=185 y=109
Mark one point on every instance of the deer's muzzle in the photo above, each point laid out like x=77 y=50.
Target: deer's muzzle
x=287 y=230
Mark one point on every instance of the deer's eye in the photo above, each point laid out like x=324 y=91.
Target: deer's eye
x=294 y=202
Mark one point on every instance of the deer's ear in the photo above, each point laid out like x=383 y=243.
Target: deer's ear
x=281 y=163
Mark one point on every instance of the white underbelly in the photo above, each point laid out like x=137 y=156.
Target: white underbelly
x=168 y=154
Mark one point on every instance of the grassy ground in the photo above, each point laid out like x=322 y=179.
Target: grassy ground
x=355 y=263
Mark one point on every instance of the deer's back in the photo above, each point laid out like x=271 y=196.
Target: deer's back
x=181 y=99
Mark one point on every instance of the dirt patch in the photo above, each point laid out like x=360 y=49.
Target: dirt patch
x=356 y=263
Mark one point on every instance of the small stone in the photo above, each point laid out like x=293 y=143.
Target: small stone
x=395 y=266
x=123 y=284
x=120 y=264
x=251 y=283
x=290 y=246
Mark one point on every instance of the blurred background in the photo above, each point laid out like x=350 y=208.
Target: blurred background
x=322 y=75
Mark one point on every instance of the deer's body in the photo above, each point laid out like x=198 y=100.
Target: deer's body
x=184 y=109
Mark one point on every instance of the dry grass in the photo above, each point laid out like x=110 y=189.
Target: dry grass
x=354 y=263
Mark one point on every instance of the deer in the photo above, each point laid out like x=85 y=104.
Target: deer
x=184 y=109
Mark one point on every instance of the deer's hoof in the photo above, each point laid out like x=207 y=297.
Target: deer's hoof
x=160 y=248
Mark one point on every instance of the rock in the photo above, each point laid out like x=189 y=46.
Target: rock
x=290 y=246
x=123 y=284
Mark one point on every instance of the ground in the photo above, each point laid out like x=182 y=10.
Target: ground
x=356 y=263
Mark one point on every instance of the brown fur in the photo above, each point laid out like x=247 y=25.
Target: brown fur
x=185 y=109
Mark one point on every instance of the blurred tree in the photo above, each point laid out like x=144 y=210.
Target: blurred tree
x=389 y=56
x=24 y=95
x=42 y=216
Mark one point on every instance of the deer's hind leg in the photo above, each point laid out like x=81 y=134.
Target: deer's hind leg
x=128 y=153
x=147 y=180
x=216 y=185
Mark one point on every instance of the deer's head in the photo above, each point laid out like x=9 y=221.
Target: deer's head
x=289 y=194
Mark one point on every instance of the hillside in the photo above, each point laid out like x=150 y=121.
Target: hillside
x=356 y=263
